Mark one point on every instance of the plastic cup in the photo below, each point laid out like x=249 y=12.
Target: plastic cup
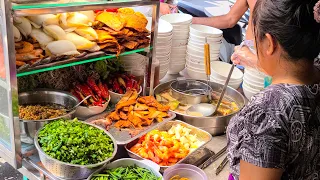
x=185 y=171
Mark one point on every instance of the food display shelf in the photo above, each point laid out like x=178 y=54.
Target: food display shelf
x=74 y=62
x=55 y=6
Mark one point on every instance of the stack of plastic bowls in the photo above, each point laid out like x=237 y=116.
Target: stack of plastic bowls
x=253 y=82
x=199 y=35
x=181 y=24
x=220 y=71
x=163 y=44
x=134 y=63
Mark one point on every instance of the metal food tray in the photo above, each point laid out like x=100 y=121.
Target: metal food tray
x=202 y=135
x=123 y=136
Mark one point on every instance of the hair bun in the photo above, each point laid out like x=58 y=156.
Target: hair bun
x=316 y=12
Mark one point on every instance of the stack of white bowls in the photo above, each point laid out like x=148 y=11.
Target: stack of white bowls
x=181 y=24
x=199 y=35
x=134 y=63
x=253 y=82
x=163 y=44
x=220 y=71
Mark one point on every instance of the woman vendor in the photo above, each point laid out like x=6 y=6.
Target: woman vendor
x=277 y=135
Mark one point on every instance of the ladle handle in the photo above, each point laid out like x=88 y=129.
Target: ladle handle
x=225 y=86
x=207 y=59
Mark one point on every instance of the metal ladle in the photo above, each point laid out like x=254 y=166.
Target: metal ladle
x=207 y=109
x=74 y=107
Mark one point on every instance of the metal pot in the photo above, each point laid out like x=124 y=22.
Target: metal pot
x=29 y=128
x=181 y=87
x=214 y=125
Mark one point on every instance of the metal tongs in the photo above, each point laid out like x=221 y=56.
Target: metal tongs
x=213 y=158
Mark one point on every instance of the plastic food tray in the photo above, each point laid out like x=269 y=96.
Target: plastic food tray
x=202 y=135
x=124 y=136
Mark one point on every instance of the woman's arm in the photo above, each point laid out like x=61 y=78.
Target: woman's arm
x=251 y=172
x=225 y=21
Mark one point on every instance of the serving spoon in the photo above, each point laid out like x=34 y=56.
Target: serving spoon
x=74 y=107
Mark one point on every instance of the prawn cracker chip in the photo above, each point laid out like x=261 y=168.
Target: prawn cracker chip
x=130 y=44
x=112 y=20
x=104 y=36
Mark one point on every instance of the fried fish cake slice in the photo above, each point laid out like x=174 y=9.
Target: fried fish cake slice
x=108 y=45
x=112 y=20
x=135 y=22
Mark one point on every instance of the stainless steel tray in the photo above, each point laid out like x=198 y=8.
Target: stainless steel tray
x=202 y=135
x=124 y=136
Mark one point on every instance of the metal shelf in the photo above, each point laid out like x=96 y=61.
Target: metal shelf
x=75 y=62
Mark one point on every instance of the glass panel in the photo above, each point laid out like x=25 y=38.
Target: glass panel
x=4 y=132
x=77 y=63
x=2 y=66
x=65 y=3
x=4 y=102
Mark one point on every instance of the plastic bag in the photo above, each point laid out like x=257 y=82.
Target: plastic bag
x=245 y=55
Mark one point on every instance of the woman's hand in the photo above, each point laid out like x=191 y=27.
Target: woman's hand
x=166 y=8
x=243 y=56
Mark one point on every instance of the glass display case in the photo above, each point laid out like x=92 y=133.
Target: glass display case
x=22 y=156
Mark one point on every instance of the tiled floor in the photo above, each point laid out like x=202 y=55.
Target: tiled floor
x=7 y=172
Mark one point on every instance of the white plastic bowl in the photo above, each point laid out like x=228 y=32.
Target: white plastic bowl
x=213 y=47
x=164 y=27
x=84 y=112
x=234 y=85
x=179 y=50
x=249 y=92
x=201 y=75
x=199 y=52
x=164 y=39
x=162 y=74
x=179 y=42
x=176 y=68
x=252 y=75
x=177 y=18
x=115 y=97
x=221 y=70
x=252 y=81
x=207 y=31
x=200 y=56
x=204 y=38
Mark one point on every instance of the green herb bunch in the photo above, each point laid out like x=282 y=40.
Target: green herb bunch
x=123 y=173
x=75 y=142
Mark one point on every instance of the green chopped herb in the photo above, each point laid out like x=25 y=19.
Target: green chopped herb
x=75 y=142
x=124 y=173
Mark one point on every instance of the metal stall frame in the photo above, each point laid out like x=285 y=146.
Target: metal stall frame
x=17 y=156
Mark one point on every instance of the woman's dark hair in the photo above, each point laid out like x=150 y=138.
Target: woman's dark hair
x=291 y=23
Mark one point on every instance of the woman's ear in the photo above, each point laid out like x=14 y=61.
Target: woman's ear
x=271 y=45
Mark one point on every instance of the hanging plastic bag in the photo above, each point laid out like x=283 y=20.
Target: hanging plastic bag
x=245 y=55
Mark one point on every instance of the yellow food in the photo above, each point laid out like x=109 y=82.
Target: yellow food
x=177 y=177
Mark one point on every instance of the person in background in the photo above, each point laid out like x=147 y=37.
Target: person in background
x=276 y=136
x=163 y=9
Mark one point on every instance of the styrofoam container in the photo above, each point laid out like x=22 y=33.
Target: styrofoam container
x=234 y=85
x=207 y=31
x=177 y=18
x=249 y=92
x=221 y=70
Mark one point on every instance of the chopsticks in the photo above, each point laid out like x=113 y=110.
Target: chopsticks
x=222 y=165
x=213 y=158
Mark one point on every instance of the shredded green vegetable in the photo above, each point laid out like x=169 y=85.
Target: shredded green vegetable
x=75 y=142
x=124 y=173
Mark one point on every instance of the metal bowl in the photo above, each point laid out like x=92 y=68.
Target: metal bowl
x=214 y=125
x=71 y=171
x=30 y=127
x=190 y=91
